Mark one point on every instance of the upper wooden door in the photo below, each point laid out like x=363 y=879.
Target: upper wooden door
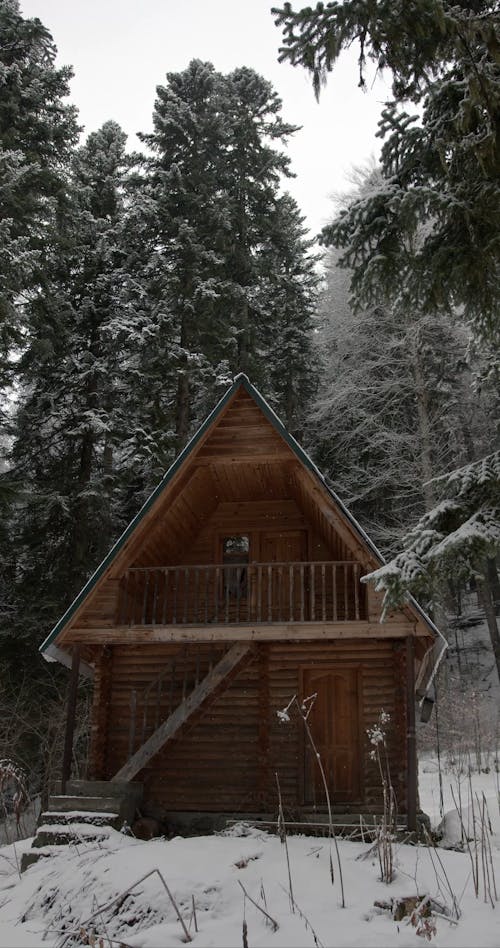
x=284 y=595
x=335 y=727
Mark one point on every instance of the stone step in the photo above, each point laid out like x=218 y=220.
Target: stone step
x=92 y=818
x=62 y=835
x=67 y=803
x=105 y=788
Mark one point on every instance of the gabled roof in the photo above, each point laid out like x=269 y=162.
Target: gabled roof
x=240 y=383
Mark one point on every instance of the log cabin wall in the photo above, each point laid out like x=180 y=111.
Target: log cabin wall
x=228 y=759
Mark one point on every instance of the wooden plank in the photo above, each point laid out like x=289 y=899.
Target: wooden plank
x=269 y=632
x=169 y=729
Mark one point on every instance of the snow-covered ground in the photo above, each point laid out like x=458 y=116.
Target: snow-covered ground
x=59 y=895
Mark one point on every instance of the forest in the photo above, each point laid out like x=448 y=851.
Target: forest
x=134 y=286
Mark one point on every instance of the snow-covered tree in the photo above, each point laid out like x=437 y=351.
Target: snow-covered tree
x=69 y=413
x=429 y=235
x=455 y=539
x=213 y=222
x=37 y=132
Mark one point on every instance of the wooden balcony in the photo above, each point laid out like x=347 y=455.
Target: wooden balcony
x=242 y=594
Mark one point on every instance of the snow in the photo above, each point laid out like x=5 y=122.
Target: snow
x=58 y=893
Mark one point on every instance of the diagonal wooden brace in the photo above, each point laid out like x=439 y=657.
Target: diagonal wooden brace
x=221 y=675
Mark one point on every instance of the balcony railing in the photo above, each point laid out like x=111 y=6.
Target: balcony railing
x=238 y=594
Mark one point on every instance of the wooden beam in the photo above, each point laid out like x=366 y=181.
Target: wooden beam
x=272 y=632
x=249 y=457
x=70 y=717
x=170 y=728
x=264 y=740
x=411 y=776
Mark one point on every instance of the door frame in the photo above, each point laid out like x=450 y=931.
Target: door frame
x=356 y=667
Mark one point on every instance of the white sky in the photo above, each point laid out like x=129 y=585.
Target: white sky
x=120 y=51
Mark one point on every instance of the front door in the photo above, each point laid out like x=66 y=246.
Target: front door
x=334 y=724
x=283 y=588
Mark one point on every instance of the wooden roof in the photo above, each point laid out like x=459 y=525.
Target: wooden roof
x=241 y=452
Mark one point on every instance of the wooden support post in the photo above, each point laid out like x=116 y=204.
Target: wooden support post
x=264 y=716
x=100 y=715
x=411 y=741
x=70 y=717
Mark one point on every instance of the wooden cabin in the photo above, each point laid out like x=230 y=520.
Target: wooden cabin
x=237 y=586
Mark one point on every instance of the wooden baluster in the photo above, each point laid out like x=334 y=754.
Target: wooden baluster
x=196 y=593
x=158 y=701
x=186 y=596
x=155 y=597
x=280 y=591
x=176 y=581
x=356 y=591
x=207 y=574
x=269 y=594
x=250 y=591
x=227 y=573
x=238 y=592
x=323 y=593
x=334 y=591
x=197 y=672
x=346 y=604
x=302 y=592
x=259 y=593
x=291 y=590
x=165 y=596
x=216 y=592
x=133 y=715
x=145 y=599
x=312 y=591
x=184 y=677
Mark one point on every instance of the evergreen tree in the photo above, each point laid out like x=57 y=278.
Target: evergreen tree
x=37 y=133
x=429 y=236
x=457 y=539
x=212 y=210
x=69 y=417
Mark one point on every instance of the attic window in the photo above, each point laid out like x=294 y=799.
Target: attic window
x=235 y=550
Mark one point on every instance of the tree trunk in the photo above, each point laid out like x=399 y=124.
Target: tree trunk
x=485 y=597
x=182 y=406
x=424 y=430
x=494 y=583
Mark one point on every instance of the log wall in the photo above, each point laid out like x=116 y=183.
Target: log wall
x=227 y=760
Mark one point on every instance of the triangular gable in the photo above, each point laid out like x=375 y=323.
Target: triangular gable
x=195 y=448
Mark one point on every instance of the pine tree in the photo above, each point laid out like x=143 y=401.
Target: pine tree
x=457 y=539
x=429 y=236
x=37 y=133
x=213 y=213
x=69 y=418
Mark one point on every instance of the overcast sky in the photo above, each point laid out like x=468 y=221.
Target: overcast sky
x=120 y=50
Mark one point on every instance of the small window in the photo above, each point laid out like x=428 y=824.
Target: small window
x=235 y=555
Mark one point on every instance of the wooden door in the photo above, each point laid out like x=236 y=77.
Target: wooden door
x=335 y=727
x=284 y=595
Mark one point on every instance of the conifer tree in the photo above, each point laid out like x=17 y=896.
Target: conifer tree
x=69 y=419
x=430 y=234
x=37 y=133
x=210 y=207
